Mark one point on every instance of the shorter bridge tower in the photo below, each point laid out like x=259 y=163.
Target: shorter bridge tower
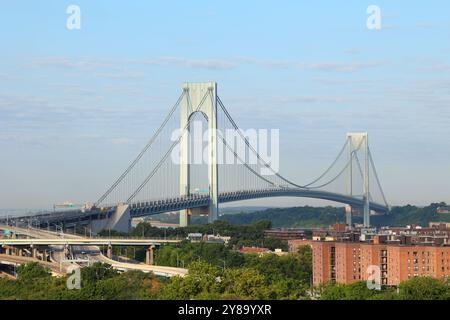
x=358 y=141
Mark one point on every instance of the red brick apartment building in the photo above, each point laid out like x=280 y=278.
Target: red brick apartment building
x=347 y=262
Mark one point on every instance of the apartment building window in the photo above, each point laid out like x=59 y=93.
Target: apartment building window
x=332 y=264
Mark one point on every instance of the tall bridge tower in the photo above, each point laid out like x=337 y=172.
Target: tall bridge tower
x=357 y=141
x=199 y=97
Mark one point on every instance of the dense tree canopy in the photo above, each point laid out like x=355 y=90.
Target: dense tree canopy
x=324 y=216
x=98 y=282
x=418 y=288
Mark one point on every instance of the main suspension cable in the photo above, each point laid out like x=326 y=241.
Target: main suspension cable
x=139 y=156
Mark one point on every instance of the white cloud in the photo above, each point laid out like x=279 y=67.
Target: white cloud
x=210 y=64
x=273 y=63
x=63 y=62
x=352 y=51
x=122 y=141
x=215 y=64
x=329 y=66
x=344 y=67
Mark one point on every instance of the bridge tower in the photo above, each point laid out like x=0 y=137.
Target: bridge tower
x=357 y=141
x=194 y=101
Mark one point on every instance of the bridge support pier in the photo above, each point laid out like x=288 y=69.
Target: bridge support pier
x=120 y=221
x=185 y=218
x=149 y=255
x=109 y=252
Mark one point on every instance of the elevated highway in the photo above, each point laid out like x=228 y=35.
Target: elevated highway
x=59 y=241
x=85 y=242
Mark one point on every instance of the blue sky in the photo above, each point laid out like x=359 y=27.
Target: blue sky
x=77 y=105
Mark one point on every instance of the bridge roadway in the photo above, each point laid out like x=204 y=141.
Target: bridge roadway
x=93 y=252
x=195 y=201
x=146 y=208
x=16 y=260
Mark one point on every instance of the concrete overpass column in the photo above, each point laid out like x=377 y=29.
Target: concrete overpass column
x=66 y=251
x=109 y=253
x=149 y=255
x=34 y=252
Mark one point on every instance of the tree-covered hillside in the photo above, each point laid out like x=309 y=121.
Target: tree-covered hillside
x=324 y=216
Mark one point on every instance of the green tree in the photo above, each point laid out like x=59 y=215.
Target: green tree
x=424 y=288
x=32 y=271
x=354 y=291
x=245 y=283
x=97 y=271
x=202 y=282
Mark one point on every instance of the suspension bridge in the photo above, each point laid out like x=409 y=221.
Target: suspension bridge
x=178 y=170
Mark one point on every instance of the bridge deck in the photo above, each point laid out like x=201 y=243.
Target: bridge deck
x=146 y=208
